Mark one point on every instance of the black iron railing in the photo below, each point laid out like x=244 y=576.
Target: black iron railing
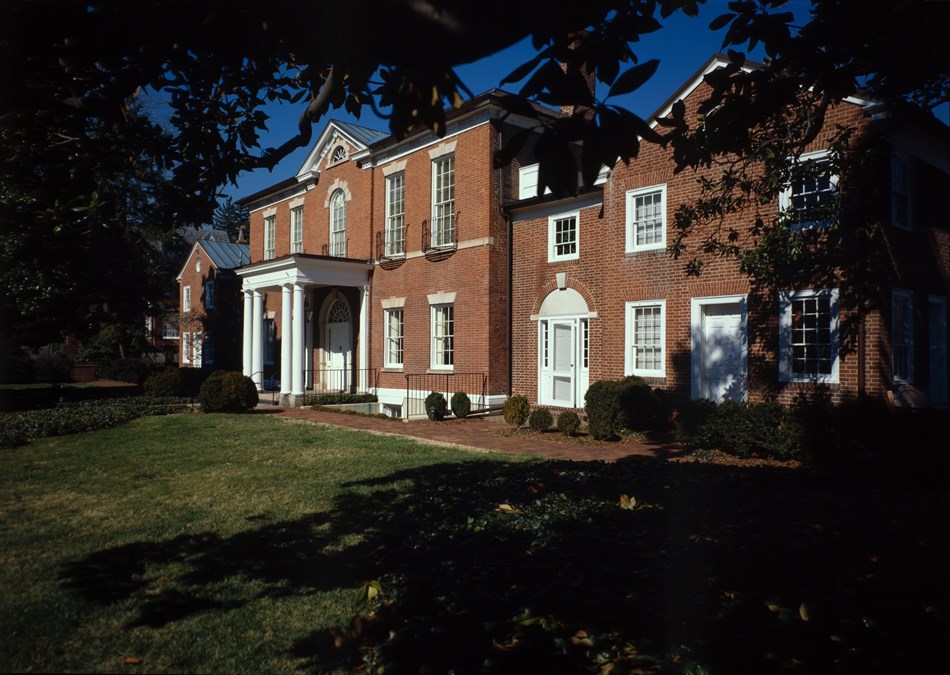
x=335 y=248
x=441 y=233
x=341 y=381
x=392 y=247
x=418 y=387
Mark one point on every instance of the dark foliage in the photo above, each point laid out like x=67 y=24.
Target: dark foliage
x=340 y=399
x=461 y=404
x=568 y=422
x=436 y=406
x=227 y=391
x=540 y=419
x=164 y=382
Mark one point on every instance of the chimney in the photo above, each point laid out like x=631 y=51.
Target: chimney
x=242 y=235
x=578 y=66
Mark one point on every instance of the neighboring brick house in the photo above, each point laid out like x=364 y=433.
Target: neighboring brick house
x=383 y=265
x=209 y=317
x=596 y=295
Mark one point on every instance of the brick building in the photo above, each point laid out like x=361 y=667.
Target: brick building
x=209 y=317
x=603 y=299
x=412 y=265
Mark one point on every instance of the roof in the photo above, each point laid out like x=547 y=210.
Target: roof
x=227 y=256
x=192 y=234
x=364 y=135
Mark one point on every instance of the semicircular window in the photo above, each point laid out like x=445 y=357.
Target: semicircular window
x=339 y=312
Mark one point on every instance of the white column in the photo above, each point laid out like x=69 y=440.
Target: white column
x=257 y=339
x=287 y=342
x=298 y=350
x=364 y=338
x=248 y=333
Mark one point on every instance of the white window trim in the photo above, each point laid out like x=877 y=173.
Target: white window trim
x=902 y=159
x=171 y=322
x=785 y=196
x=389 y=239
x=270 y=237
x=186 y=341
x=432 y=336
x=296 y=229
x=338 y=216
x=785 y=328
x=436 y=233
x=552 y=244
x=388 y=315
x=186 y=298
x=909 y=329
x=631 y=244
x=629 y=361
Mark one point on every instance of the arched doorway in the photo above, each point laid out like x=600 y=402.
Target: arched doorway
x=563 y=349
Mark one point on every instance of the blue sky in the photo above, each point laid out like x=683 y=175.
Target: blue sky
x=682 y=45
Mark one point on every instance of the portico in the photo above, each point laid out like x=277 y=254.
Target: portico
x=297 y=278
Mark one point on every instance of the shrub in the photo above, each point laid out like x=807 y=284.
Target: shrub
x=568 y=422
x=540 y=419
x=691 y=415
x=516 y=410
x=165 y=382
x=123 y=370
x=461 y=404
x=604 y=414
x=745 y=430
x=52 y=365
x=641 y=407
x=436 y=406
x=339 y=399
x=227 y=391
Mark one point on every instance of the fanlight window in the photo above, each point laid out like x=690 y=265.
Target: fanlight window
x=339 y=312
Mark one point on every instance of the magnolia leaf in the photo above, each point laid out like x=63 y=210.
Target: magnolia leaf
x=633 y=78
x=628 y=502
x=803 y=612
x=507 y=508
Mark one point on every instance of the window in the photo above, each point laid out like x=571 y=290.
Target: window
x=443 y=336
x=900 y=194
x=270 y=241
x=392 y=357
x=646 y=338
x=902 y=335
x=170 y=328
x=209 y=294
x=808 y=336
x=186 y=347
x=646 y=219
x=812 y=198
x=296 y=230
x=339 y=154
x=395 y=212
x=186 y=299
x=197 y=343
x=443 y=201
x=338 y=224
x=562 y=237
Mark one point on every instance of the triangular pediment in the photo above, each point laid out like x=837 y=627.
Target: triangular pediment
x=338 y=142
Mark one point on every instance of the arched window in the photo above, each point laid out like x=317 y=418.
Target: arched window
x=339 y=312
x=338 y=224
x=339 y=154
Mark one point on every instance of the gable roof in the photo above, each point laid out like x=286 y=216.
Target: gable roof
x=223 y=255
x=355 y=135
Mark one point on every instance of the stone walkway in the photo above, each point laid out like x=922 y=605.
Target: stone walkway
x=483 y=434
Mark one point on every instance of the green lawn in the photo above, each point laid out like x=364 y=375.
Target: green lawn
x=217 y=543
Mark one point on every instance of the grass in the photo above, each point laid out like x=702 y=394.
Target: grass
x=219 y=543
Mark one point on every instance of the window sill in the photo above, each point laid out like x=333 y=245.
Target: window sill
x=392 y=369
x=440 y=371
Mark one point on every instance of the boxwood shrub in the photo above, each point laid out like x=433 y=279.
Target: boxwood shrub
x=436 y=406
x=568 y=422
x=516 y=410
x=164 y=382
x=540 y=419
x=227 y=391
x=340 y=399
x=758 y=429
x=461 y=404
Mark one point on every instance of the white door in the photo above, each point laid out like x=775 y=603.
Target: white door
x=562 y=337
x=339 y=358
x=937 y=338
x=722 y=367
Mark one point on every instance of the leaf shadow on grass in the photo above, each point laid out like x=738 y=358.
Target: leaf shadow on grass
x=535 y=567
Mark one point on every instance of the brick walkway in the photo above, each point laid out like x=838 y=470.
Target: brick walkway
x=483 y=434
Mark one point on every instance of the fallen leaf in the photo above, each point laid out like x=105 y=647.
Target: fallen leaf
x=507 y=508
x=803 y=612
x=131 y=661
x=628 y=502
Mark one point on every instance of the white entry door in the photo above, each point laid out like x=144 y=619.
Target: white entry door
x=562 y=363
x=339 y=357
x=722 y=359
